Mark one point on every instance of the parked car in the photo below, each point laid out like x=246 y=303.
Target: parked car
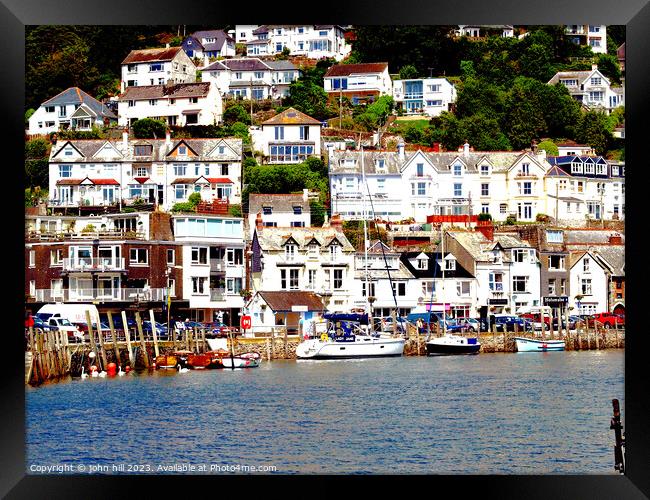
x=536 y=320
x=39 y=323
x=505 y=322
x=74 y=335
x=161 y=330
x=573 y=320
x=609 y=320
x=473 y=325
x=219 y=329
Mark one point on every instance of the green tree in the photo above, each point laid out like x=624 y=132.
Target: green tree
x=28 y=115
x=477 y=96
x=236 y=113
x=240 y=130
x=408 y=72
x=375 y=114
x=308 y=97
x=592 y=130
x=550 y=147
x=148 y=128
x=467 y=70
x=37 y=153
x=608 y=66
x=536 y=62
x=318 y=211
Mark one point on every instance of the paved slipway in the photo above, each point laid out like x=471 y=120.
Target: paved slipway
x=535 y=413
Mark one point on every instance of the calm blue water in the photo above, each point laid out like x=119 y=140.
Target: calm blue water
x=528 y=413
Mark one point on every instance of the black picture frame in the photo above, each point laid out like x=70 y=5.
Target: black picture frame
x=635 y=14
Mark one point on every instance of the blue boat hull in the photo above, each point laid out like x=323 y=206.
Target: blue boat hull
x=531 y=345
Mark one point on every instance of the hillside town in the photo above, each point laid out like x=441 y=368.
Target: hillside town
x=283 y=172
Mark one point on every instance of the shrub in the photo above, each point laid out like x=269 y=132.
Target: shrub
x=194 y=199
x=147 y=128
x=184 y=206
x=483 y=216
x=511 y=220
x=90 y=228
x=235 y=210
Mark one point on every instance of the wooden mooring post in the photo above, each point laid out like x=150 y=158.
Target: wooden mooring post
x=109 y=315
x=268 y=349
x=127 y=335
x=597 y=334
x=154 y=333
x=143 y=344
x=91 y=337
x=273 y=342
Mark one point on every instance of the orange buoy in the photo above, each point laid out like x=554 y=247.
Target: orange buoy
x=127 y=369
x=93 y=368
x=111 y=368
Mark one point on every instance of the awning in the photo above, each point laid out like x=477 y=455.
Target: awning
x=191 y=111
x=219 y=180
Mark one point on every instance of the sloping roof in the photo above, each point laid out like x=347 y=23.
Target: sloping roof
x=590 y=236
x=433 y=269
x=281 y=65
x=176 y=91
x=402 y=273
x=273 y=238
x=291 y=116
x=283 y=301
x=262 y=29
x=74 y=95
x=151 y=55
x=355 y=69
x=279 y=202
x=248 y=64
x=77 y=182
x=219 y=35
x=554 y=171
x=480 y=247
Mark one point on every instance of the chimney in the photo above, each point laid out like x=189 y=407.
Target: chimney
x=615 y=239
x=305 y=194
x=166 y=45
x=330 y=150
x=487 y=231
x=125 y=139
x=466 y=149
x=400 y=151
x=336 y=222
x=436 y=147
x=258 y=221
x=168 y=138
x=533 y=146
x=594 y=66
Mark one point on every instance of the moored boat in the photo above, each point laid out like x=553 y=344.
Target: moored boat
x=452 y=344
x=534 y=345
x=245 y=360
x=199 y=361
x=166 y=362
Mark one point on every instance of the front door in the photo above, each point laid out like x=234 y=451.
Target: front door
x=161 y=191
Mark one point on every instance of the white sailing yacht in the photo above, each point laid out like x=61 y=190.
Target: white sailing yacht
x=351 y=335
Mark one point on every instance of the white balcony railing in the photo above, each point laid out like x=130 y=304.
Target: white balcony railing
x=217 y=294
x=93 y=264
x=101 y=294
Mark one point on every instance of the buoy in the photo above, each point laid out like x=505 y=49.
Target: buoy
x=111 y=368
x=93 y=368
x=91 y=355
x=127 y=369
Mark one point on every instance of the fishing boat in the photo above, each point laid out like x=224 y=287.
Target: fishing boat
x=346 y=338
x=166 y=362
x=452 y=344
x=246 y=360
x=199 y=361
x=533 y=345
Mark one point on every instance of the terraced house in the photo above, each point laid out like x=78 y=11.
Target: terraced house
x=157 y=171
x=157 y=67
x=312 y=41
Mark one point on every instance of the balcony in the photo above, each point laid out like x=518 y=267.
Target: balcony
x=102 y=295
x=217 y=266
x=217 y=294
x=79 y=235
x=414 y=95
x=94 y=264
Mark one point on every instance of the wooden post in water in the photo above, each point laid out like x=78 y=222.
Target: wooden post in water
x=550 y=324
x=127 y=335
x=286 y=329
x=268 y=349
x=100 y=335
x=189 y=339
x=68 y=354
x=145 y=354
x=91 y=336
x=203 y=338
x=109 y=315
x=597 y=335
x=616 y=332
x=273 y=341
x=494 y=336
x=578 y=330
x=154 y=333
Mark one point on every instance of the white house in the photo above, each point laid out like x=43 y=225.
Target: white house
x=178 y=104
x=312 y=41
x=358 y=82
x=157 y=67
x=429 y=96
x=207 y=44
x=384 y=282
x=279 y=210
x=590 y=35
x=159 y=171
x=275 y=311
x=589 y=282
x=483 y=30
x=506 y=268
x=591 y=88
x=248 y=77
x=213 y=265
x=288 y=137
x=456 y=293
x=314 y=259
x=244 y=32
x=571 y=148
x=71 y=109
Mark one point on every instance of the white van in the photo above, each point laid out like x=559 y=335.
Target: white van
x=75 y=313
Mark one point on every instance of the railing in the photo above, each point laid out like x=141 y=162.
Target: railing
x=414 y=96
x=217 y=265
x=94 y=235
x=93 y=264
x=217 y=294
x=104 y=294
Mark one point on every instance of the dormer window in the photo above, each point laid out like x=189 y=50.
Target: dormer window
x=297 y=210
x=421 y=264
x=450 y=264
x=312 y=249
x=458 y=170
x=335 y=252
x=267 y=210
x=525 y=169
x=485 y=170
x=143 y=150
x=576 y=167
x=290 y=252
x=182 y=150
x=221 y=149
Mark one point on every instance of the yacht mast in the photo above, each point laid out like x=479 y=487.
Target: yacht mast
x=365 y=238
x=444 y=264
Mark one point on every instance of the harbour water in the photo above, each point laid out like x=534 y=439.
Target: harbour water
x=527 y=413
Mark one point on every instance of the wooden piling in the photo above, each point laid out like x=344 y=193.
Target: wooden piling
x=100 y=336
x=578 y=330
x=127 y=335
x=154 y=333
x=91 y=337
x=286 y=328
x=268 y=349
x=109 y=315
x=203 y=340
x=494 y=337
x=596 y=335
x=143 y=344
x=273 y=342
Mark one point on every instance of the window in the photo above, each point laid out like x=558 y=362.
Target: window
x=56 y=257
x=32 y=258
x=434 y=88
x=335 y=253
x=131 y=104
x=419 y=170
x=556 y=262
x=171 y=256
x=267 y=210
x=525 y=169
x=421 y=263
x=554 y=236
x=586 y=286
x=139 y=256
x=198 y=285
x=485 y=208
x=458 y=189
x=503 y=208
x=290 y=252
x=199 y=255
x=65 y=170
x=520 y=255
x=525 y=187
x=194 y=100
x=585 y=265
x=458 y=170
x=279 y=133
x=304 y=133
x=289 y=279
x=551 y=286
x=155 y=67
x=399 y=289
x=49 y=109
x=485 y=189
x=563 y=286
x=596 y=80
x=311 y=279
x=520 y=284
x=142 y=150
x=371 y=286
x=182 y=150
x=450 y=264
x=485 y=170
x=422 y=188
x=141 y=172
x=463 y=288
x=179 y=170
x=153 y=102
x=338 y=279
x=297 y=210
x=496 y=282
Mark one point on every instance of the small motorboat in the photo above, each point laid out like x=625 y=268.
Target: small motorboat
x=533 y=345
x=199 y=361
x=166 y=362
x=216 y=358
x=181 y=357
x=245 y=360
x=452 y=344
